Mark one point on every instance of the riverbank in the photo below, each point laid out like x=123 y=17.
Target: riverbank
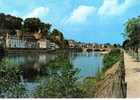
x=34 y=51
x=27 y=50
x=112 y=80
x=132 y=68
x=35 y=68
x=38 y=51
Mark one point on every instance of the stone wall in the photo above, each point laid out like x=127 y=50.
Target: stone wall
x=113 y=84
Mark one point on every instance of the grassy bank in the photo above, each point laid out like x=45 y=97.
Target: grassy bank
x=111 y=58
x=112 y=84
x=60 y=79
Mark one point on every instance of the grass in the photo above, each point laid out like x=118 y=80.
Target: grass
x=108 y=61
x=111 y=58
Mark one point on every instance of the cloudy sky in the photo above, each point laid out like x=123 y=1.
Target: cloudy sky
x=83 y=20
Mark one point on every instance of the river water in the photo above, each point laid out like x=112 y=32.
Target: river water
x=89 y=63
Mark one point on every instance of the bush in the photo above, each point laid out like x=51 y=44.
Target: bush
x=88 y=86
x=62 y=82
x=59 y=86
x=10 y=80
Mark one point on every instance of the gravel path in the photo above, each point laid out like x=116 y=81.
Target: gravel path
x=132 y=76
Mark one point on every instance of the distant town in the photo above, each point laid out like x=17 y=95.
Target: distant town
x=33 y=34
x=35 y=41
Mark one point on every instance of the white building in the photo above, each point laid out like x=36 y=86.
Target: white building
x=43 y=43
x=53 y=46
x=20 y=41
x=28 y=40
x=14 y=42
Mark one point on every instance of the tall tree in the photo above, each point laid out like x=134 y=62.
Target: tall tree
x=45 y=29
x=9 y=22
x=57 y=37
x=132 y=33
x=56 y=34
x=31 y=24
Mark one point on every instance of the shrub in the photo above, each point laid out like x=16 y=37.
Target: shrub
x=10 y=80
x=88 y=86
x=60 y=85
x=62 y=81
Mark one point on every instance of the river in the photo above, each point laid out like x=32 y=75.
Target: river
x=89 y=63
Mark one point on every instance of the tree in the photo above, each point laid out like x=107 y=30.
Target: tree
x=56 y=33
x=8 y=22
x=126 y=44
x=115 y=45
x=45 y=29
x=132 y=33
x=32 y=24
x=57 y=37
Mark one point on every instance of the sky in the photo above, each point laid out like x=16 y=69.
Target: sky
x=100 y=21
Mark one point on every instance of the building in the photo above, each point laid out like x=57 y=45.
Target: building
x=14 y=42
x=53 y=46
x=71 y=43
x=26 y=40
x=31 y=41
x=38 y=35
x=43 y=43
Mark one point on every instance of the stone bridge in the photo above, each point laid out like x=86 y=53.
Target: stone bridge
x=94 y=49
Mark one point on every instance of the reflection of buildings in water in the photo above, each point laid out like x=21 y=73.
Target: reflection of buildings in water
x=34 y=61
x=42 y=59
x=37 y=66
x=80 y=54
x=30 y=64
x=20 y=59
x=29 y=72
x=15 y=60
x=31 y=58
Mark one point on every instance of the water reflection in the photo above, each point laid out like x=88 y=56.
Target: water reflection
x=35 y=68
x=88 y=63
x=32 y=65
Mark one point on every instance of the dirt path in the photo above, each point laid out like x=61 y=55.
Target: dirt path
x=132 y=76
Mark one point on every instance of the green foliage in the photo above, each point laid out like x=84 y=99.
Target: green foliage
x=32 y=24
x=88 y=86
x=55 y=33
x=132 y=33
x=10 y=22
x=111 y=58
x=45 y=29
x=126 y=44
x=60 y=61
x=17 y=91
x=62 y=81
x=59 y=85
x=57 y=37
x=9 y=80
x=99 y=75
